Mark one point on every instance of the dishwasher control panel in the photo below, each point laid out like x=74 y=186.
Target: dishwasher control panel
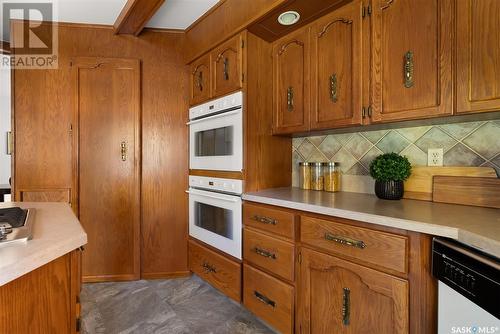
x=469 y=272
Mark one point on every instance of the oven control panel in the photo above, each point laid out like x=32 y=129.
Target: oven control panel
x=225 y=103
x=216 y=184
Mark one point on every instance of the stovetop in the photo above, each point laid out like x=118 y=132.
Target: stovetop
x=15 y=224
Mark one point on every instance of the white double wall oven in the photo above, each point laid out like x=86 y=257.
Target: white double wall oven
x=216 y=144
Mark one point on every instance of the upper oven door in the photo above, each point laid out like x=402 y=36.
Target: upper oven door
x=216 y=142
x=215 y=219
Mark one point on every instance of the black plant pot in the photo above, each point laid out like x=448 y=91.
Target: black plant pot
x=392 y=190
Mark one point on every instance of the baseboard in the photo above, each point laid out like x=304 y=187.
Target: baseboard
x=165 y=275
x=109 y=278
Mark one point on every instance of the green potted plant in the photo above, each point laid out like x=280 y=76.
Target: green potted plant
x=390 y=170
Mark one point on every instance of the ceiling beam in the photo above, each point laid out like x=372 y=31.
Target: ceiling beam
x=134 y=16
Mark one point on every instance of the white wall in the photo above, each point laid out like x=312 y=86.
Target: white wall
x=5 y=123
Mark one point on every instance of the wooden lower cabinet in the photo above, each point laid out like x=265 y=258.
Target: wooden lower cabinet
x=269 y=298
x=337 y=296
x=45 y=300
x=218 y=270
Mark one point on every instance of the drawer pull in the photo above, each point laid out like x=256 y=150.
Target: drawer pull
x=208 y=268
x=345 y=241
x=260 y=297
x=346 y=306
x=264 y=253
x=265 y=220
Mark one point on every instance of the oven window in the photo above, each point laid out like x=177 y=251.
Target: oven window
x=214 y=142
x=214 y=219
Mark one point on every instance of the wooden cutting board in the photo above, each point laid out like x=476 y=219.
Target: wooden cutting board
x=419 y=185
x=477 y=191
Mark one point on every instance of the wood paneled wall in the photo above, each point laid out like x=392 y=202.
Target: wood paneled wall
x=43 y=110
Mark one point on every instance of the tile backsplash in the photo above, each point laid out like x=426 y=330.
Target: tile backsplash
x=464 y=144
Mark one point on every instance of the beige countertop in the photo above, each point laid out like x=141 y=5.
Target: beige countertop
x=56 y=232
x=474 y=226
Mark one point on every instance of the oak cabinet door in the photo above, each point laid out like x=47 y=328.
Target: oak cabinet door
x=227 y=61
x=478 y=55
x=200 y=90
x=291 y=80
x=336 y=296
x=337 y=68
x=411 y=59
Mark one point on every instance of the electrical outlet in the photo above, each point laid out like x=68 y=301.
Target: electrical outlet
x=435 y=157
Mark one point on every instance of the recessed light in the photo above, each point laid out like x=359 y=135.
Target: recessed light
x=289 y=18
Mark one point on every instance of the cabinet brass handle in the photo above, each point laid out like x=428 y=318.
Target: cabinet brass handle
x=123 y=148
x=260 y=297
x=408 y=69
x=199 y=81
x=333 y=88
x=265 y=220
x=346 y=306
x=289 y=98
x=264 y=253
x=345 y=241
x=208 y=268
x=226 y=68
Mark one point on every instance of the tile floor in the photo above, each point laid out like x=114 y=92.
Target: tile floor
x=176 y=306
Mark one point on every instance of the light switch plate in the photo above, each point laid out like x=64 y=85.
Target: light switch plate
x=435 y=157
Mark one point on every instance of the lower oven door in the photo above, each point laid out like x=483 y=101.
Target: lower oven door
x=215 y=219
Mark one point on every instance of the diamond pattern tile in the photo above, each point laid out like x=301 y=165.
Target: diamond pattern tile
x=412 y=134
x=345 y=159
x=435 y=138
x=367 y=159
x=306 y=149
x=358 y=145
x=316 y=141
x=357 y=169
x=460 y=130
x=486 y=148
x=459 y=155
x=374 y=136
x=465 y=144
x=330 y=146
x=415 y=155
x=393 y=142
x=297 y=141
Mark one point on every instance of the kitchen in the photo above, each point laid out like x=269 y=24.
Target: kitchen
x=251 y=167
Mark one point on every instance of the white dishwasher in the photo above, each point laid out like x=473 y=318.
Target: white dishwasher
x=469 y=289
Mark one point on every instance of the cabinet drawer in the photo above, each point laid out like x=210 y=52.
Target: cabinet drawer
x=221 y=272
x=276 y=221
x=269 y=299
x=378 y=248
x=272 y=254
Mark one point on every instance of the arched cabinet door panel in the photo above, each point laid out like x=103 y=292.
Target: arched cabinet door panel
x=227 y=64
x=478 y=55
x=291 y=80
x=411 y=70
x=337 y=68
x=343 y=297
x=200 y=83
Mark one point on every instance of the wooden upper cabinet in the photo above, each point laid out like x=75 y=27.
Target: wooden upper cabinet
x=337 y=68
x=227 y=62
x=478 y=55
x=342 y=297
x=291 y=80
x=412 y=59
x=200 y=90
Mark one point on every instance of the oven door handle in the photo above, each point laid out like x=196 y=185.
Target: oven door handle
x=224 y=114
x=229 y=198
